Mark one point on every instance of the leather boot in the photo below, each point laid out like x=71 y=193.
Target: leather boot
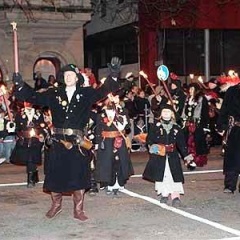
x=36 y=177
x=56 y=207
x=78 y=198
x=30 y=180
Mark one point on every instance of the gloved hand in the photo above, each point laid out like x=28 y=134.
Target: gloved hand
x=188 y=158
x=17 y=80
x=114 y=66
x=153 y=149
x=189 y=162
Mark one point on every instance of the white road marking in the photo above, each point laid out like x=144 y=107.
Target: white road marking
x=169 y=208
x=232 y=238
x=133 y=176
x=183 y=213
x=187 y=173
x=14 y=184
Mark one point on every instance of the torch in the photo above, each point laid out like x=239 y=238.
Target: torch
x=145 y=76
x=15 y=44
x=163 y=74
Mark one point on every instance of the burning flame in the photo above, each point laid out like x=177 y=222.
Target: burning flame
x=142 y=73
x=200 y=79
x=3 y=89
x=231 y=73
x=129 y=74
x=103 y=80
x=191 y=75
x=32 y=132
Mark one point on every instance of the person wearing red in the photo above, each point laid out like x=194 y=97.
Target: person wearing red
x=195 y=120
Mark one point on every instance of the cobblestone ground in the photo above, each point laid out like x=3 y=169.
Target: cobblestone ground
x=134 y=214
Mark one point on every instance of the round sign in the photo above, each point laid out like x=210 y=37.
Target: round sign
x=162 y=72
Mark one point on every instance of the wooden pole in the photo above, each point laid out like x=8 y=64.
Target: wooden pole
x=15 y=45
x=144 y=75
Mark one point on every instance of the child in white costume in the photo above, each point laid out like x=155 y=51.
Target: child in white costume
x=166 y=140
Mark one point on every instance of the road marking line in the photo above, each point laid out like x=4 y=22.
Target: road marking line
x=187 y=173
x=183 y=213
x=133 y=176
x=231 y=238
x=14 y=184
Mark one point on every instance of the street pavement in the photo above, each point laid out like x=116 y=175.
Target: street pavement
x=134 y=214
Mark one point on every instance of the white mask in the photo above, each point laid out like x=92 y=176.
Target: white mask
x=166 y=114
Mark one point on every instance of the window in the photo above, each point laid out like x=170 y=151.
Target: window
x=231 y=50
x=194 y=52
x=173 y=52
x=131 y=52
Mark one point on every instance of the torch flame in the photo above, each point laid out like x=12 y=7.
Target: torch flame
x=200 y=79
x=3 y=89
x=231 y=73
x=32 y=132
x=142 y=73
x=103 y=80
x=191 y=75
x=129 y=74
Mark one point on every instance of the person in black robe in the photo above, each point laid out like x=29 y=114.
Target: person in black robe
x=228 y=125
x=70 y=104
x=30 y=128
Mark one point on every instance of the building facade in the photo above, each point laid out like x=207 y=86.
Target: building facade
x=50 y=35
x=199 y=37
x=190 y=36
x=112 y=31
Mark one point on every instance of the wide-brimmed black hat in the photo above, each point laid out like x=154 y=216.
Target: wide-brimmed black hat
x=72 y=68
x=176 y=82
x=163 y=106
x=166 y=106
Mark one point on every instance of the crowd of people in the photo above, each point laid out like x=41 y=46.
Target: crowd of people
x=84 y=132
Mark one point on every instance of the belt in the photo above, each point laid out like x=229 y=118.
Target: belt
x=110 y=134
x=169 y=148
x=67 y=131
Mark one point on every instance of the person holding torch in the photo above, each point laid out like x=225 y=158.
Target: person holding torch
x=68 y=167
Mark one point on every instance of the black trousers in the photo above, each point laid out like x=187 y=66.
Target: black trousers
x=31 y=167
x=230 y=180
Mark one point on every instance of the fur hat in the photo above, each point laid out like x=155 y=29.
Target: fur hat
x=163 y=106
x=166 y=106
x=72 y=68
x=176 y=82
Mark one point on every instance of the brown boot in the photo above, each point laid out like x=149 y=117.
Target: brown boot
x=56 y=207
x=78 y=197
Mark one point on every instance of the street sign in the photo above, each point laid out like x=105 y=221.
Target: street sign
x=163 y=73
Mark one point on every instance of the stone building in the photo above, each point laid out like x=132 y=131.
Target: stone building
x=50 y=35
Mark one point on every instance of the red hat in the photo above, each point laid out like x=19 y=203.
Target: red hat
x=173 y=76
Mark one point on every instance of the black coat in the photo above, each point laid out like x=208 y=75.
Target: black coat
x=154 y=170
x=231 y=107
x=67 y=170
x=107 y=154
x=28 y=149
